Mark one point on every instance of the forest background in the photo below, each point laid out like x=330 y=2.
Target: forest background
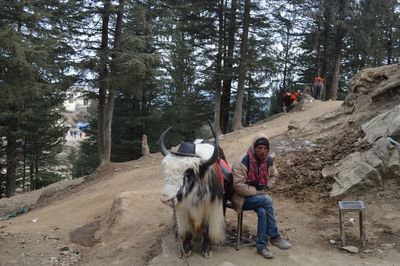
x=153 y=64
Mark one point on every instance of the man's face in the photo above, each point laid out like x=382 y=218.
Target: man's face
x=261 y=152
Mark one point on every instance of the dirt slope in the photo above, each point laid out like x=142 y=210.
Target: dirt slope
x=84 y=228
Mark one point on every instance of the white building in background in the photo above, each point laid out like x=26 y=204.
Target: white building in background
x=76 y=100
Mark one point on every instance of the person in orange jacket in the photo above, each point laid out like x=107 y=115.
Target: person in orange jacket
x=290 y=100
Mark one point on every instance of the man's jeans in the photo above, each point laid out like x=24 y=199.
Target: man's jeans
x=266 y=226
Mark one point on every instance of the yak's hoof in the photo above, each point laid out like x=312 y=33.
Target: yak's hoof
x=187 y=248
x=186 y=254
x=207 y=254
x=206 y=248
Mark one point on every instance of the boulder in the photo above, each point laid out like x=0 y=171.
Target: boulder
x=373 y=91
x=366 y=80
x=365 y=170
x=120 y=215
x=293 y=125
x=116 y=223
x=386 y=124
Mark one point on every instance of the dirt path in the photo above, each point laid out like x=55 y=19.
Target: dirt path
x=47 y=240
x=310 y=237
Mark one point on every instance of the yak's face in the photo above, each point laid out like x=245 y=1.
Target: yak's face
x=184 y=168
x=182 y=174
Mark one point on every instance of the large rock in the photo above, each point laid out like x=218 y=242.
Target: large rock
x=131 y=227
x=365 y=170
x=374 y=90
x=386 y=124
x=125 y=210
x=119 y=218
x=366 y=80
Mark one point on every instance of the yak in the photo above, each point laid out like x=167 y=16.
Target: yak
x=193 y=185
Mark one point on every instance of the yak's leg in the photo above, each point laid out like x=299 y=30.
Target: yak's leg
x=206 y=246
x=187 y=245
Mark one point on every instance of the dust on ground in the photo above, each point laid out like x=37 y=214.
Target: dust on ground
x=82 y=229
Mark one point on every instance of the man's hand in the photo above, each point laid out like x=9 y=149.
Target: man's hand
x=261 y=192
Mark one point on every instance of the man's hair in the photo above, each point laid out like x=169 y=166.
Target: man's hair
x=261 y=141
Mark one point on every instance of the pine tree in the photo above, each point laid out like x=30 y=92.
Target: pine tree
x=33 y=56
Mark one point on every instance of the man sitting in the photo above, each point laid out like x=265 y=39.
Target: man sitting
x=252 y=179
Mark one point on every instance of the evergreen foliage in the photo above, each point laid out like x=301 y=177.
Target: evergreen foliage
x=33 y=49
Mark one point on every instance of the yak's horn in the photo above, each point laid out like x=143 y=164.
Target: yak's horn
x=215 y=154
x=163 y=150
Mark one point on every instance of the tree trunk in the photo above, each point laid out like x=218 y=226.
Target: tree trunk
x=228 y=69
x=145 y=146
x=36 y=171
x=24 y=168
x=217 y=107
x=112 y=89
x=11 y=152
x=335 y=77
x=31 y=175
x=327 y=6
x=107 y=126
x=390 y=46
x=318 y=46
x=390 y=23
x=218 y=70
x=340 y=32
x=284 y=87
x=237 y=118
x=103 y=84
x=249 y=100
x=288 y=26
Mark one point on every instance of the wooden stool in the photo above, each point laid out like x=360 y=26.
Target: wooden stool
x=352 y=206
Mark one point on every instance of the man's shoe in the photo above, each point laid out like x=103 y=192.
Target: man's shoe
x=280 y=243
x=265 y=253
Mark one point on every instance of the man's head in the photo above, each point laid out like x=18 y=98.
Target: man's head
x=261 y=147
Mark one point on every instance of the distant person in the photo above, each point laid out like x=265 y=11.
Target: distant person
x=75 y=133
x=287 y=101
x=253 y=177
x=80 y=134
x=294 y=98
x=318 y=88
x=290 y=100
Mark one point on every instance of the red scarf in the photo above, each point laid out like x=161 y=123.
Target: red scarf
x=257 y=173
